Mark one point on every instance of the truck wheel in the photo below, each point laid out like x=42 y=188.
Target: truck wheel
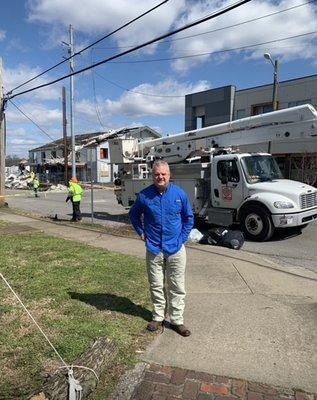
x=256 y=223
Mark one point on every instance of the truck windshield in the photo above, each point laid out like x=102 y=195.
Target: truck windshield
x=258 y=168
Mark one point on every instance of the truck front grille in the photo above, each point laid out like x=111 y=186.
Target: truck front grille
x=308 y=200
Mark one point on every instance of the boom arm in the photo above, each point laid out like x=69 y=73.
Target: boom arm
x=296 y=123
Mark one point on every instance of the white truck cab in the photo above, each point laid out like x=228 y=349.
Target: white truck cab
x=253 y=186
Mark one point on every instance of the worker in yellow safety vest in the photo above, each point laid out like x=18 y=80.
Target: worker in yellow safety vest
x=36 y=185
x=75 y=192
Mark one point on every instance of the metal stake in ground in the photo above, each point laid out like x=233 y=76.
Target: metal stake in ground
x=92 y=201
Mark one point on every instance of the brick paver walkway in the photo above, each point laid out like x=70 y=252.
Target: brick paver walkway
x=167 y=383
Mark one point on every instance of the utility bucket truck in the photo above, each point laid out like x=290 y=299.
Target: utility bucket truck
x=226 y=182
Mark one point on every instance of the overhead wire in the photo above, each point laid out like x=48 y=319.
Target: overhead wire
x=87 y=47
x=217 y=51
x=197 y=22
x=79 y=52
x=30 y=119
x=194 y=55
x=133 y=91
x=218 y=29
x=92 y=72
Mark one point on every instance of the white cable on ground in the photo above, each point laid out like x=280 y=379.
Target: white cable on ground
x=69 y=367
x=81 y=366
x=30 y=315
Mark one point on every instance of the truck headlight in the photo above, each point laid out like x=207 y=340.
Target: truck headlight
x=283 y=204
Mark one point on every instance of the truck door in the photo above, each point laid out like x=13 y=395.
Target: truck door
x=226 y=184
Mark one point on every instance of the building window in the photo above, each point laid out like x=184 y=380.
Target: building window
x=241 y=113
x=53 y=153
x=200 y=122
x=261 y=108
x=43 y=157
x=103 y=153
x=298 y=102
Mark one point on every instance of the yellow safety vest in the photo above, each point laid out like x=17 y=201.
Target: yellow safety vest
x=75 y=191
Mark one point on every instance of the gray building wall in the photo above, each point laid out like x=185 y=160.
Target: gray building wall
x=224 y=104
x=213 y=106
x=290 y=93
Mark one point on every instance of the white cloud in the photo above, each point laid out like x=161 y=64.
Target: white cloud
x=300 y=20
x=42 y=115
x=2 y=34
x=105 y=16
x=22 y=73
x=22 y=139
x=22 y=134
x=139 y=105
x=23 y=142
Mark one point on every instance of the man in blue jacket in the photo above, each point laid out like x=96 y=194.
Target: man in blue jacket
x=165 y=227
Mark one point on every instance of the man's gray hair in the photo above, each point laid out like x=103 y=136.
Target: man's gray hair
x=159 y=163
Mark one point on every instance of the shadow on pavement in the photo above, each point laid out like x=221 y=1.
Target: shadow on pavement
x=112 y=302
x=286 y=233
x=279 y=234
x=108 y=217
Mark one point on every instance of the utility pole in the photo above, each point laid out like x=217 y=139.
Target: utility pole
x=275 y=79
x=2 y=142
x=71 y=63
x=65 y=136
x=275 y=83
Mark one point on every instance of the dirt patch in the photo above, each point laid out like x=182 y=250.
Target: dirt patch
x=14 y=229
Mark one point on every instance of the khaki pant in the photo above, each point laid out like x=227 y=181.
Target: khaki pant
x=168 y=298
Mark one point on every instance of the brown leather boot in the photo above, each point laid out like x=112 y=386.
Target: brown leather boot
x=181 y=330
x=153 y=326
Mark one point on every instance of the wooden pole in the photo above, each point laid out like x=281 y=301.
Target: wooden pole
x=2 y=143
x=98 y=356
x=65 y=136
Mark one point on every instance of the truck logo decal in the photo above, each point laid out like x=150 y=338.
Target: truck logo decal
x=226 y=193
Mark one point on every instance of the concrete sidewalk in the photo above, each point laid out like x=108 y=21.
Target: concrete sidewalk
x=250 y=319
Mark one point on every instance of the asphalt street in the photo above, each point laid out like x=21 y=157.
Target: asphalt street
x=288 y=247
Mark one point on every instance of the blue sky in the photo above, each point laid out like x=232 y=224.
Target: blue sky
x=137 y=89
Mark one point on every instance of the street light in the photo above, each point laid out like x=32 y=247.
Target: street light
x=275 y=82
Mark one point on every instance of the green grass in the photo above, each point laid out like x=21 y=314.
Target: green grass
x=76 y=293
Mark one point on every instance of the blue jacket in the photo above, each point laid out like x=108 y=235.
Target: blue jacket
x=168 y=218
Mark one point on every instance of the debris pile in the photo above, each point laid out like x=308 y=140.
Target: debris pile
x=14 y=181
x=58 y=188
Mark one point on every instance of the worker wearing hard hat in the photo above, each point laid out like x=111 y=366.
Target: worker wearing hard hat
x=75 y=194
x=36 y=185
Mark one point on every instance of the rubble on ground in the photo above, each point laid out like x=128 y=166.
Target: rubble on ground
x=58 y=188
x=16 y=180
x=21 y=181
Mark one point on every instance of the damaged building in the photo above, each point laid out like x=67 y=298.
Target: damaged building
x=92 y=156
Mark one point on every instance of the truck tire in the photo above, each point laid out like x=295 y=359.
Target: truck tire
x=256 y=223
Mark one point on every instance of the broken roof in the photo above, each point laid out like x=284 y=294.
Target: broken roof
x=89 y=139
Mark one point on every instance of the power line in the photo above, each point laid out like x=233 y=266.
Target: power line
x=95 y=96
x=194 y=55
x=30 y=119
x=217 y=51
x=87 y=47
x=197 y=22
x=134 y=91
x=218 y=29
